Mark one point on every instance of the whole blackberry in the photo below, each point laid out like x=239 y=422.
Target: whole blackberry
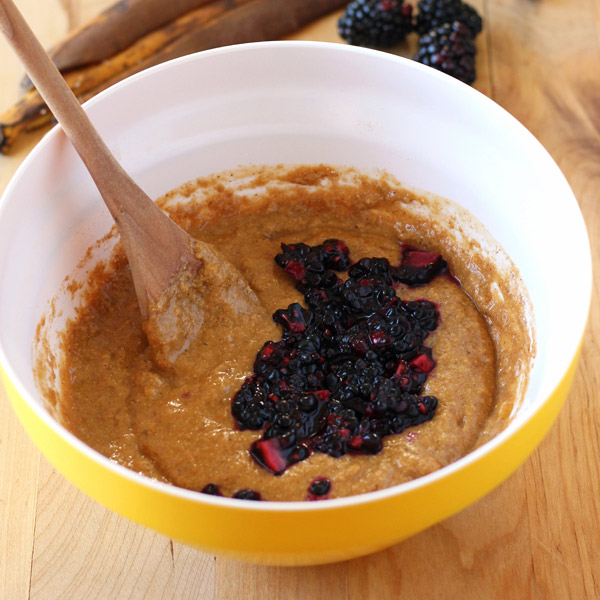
x=380 y=23
x=450 y=49
x=433 y=13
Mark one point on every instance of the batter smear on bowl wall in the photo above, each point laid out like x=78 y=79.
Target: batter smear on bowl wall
x=391 y=337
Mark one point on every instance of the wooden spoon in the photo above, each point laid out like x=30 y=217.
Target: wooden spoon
x=156 y=247
x=184 y=286
x=172 y=272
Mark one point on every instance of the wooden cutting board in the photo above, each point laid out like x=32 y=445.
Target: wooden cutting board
x=536 y=536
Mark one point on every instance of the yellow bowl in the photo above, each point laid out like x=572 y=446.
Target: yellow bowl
x=298 y=102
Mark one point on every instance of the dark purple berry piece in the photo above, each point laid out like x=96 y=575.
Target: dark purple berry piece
x=276 y=454
x=212 y=490
x=295 y=319
x=247 y=495
x=319 y=488
x=418 y=267
x=312 y=267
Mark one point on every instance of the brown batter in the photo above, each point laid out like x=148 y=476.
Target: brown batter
x=176 y=425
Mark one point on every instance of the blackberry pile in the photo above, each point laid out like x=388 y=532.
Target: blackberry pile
x=351 y=364
x=447 y=30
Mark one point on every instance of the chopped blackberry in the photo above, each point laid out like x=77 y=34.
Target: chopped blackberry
x=319 y=488
x=379 y=23
x=276 y=454
x=371 y=268
x=335 y=254
x=211 y=489
x=247 y=495
x=418 y=267
x=367 y=296
x=371 y=443
x=423 y=362
x=434 y=13
x=449 y=48
x=251 y=406
x=424 y=312
x=295 y=319
x=312 y=267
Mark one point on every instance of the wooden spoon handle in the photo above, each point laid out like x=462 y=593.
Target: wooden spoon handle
x=63 y=104
x=154 y=244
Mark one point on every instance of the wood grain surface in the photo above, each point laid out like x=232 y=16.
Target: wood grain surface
x=536 y=536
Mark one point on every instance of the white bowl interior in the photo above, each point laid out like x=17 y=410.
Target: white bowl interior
x=299 y=102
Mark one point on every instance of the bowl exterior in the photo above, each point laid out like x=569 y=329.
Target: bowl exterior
x=294 y=102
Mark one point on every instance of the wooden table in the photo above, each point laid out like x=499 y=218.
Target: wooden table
x=536 y=536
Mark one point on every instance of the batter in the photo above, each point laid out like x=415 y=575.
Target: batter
x=174 y=422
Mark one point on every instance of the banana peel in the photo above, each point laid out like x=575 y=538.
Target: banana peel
x=215 y=23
